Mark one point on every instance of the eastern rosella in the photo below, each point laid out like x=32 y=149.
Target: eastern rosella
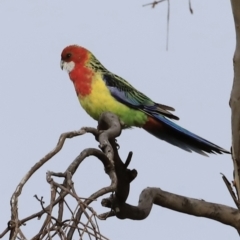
x=99 y=90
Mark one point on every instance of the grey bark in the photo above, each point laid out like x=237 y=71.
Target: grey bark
x=235 y=98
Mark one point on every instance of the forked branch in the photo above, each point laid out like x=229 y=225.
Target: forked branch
x=121 y=177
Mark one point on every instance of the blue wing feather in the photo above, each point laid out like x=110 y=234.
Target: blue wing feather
x=169 y=132
x=128 y=95
x=185 y=139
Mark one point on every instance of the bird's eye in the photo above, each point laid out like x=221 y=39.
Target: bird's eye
x=68 y=55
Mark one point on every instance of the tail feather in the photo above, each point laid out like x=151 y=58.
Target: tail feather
x=164 y=129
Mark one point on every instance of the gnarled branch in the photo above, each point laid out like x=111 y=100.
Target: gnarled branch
x=191 y=206
x=121 y=177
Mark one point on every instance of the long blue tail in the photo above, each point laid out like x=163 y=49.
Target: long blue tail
x=164 y=129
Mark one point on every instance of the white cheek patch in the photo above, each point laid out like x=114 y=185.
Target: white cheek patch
x=68 y=66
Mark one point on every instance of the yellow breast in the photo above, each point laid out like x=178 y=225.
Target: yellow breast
x=101 y=100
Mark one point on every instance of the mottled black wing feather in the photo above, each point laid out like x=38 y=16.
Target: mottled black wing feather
x=128 y=95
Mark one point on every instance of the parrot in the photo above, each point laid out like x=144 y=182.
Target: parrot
x=100 y=90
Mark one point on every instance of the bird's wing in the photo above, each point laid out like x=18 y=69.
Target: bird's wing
x=128 y=95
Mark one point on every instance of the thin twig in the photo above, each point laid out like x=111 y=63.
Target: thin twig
x=153 y=4
x=168 y=22
x=230 y=190
x=190 y=6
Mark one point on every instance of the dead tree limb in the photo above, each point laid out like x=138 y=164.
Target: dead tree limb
x=200 y=208
x=235 y=99
x=121 y=177
x=109 y=128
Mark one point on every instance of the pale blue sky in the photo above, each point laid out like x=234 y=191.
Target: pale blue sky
x=38 y=102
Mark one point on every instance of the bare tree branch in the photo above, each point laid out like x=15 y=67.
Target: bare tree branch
x=153 y=4
x=14 y=200
x=14 y=224
x=190 y=6
x=191 y=206
x=108 y=129
x=235 y=99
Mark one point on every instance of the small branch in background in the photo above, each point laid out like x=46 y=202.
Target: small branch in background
x=168 y=22
x=190 y=6
x=153 y=4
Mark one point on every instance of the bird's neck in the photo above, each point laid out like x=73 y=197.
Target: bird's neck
x=82 y=79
